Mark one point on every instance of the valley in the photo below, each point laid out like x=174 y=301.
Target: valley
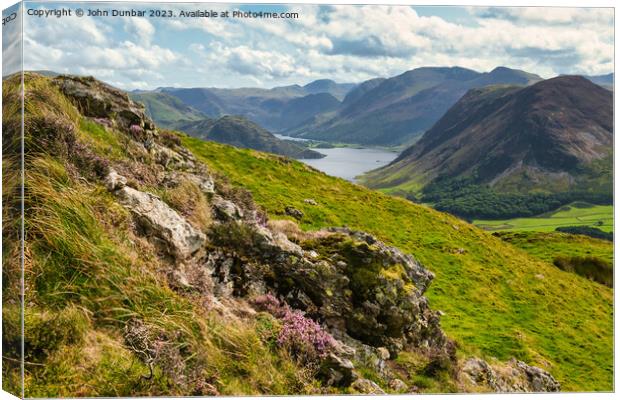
x=600 y=217
x=249 y=222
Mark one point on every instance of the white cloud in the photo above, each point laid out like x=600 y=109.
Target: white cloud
x=140 y=28
x=345 y=43
x=11 y=43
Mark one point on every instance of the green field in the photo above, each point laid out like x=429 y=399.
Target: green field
x=576 y=214
x=549 y=245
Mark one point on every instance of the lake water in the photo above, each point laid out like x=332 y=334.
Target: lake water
x=347 y=162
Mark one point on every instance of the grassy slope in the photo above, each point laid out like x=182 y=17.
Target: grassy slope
x=493 y=302
x=548 y=245
x=166 y=108
x=565 y=216
x=86 y=275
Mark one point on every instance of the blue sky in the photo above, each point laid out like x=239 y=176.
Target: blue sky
x=344 y=43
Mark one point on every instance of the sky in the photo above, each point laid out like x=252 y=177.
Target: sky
x=345 y=43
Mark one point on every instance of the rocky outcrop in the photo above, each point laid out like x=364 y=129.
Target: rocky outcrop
x=157 y=219
x=356 y=285
x=514 y=376
x=226 y=209
x=96 y=99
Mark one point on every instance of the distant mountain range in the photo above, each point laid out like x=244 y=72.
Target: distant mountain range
x=393 y=112
x=274 y=109
x=172 y=113
x=553 y=136
x=240 y=132
x=398 y=110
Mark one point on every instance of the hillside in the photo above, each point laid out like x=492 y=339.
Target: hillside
x=488 y=290
x=239 y=132
x=606 y=81
x=275 y=109
x=165 y=109
x=400 y=109
x=553 y=137
x=161 y=264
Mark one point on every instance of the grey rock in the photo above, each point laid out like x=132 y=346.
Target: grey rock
x=366 y=386
x=99 y=100
x=514 y=376
x=159 y=220
x=203 y=180
x=226 y=209
x=337 y=371
x=539 y=379
x=398 y=386
x=312 y=202
x=169 y=158
x=113 y=181
x=293 y=212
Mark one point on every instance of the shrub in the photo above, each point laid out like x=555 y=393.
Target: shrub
x=270 y=304
x=592 y=268
x=587 y=231
x=169 y=139
x=302 y=337
x=136 y=130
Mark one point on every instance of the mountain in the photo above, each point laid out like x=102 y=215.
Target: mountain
x=240 y=132
x=162 y=264
x=338 y=90
x=203 y=100
x=171 y=112
x=165 y=109
x=398 y=110
x=606 y=81
x=276 y=109
x=360 y=90
x=553 y=136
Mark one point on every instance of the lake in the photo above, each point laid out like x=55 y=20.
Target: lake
x=348 y=162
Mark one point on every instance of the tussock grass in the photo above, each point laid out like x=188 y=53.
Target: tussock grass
x=191 y=202
x=86 y=279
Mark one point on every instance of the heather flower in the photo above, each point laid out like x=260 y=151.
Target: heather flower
x=270 y=304
x=103 y=121
x=301 y=336
x=135 y=130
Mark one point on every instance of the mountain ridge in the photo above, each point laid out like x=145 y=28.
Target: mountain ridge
x=399 y=109
x=545 y=138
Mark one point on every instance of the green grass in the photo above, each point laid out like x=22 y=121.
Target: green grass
x=597 y=216
x=548 y=245
x=494 y=305
x=167 y=109
x=87 y=274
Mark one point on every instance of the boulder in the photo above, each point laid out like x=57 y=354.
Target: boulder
x=113 y=181
x=352 y=283
x=157 y=219
x=366 y=386
x=539 y=380
x=203 y=180
x=98 y=100
x=398 y=386
x=514 y=376
x=226 y=210
x=337 y=371
x=169 y=158
x=293 y=212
